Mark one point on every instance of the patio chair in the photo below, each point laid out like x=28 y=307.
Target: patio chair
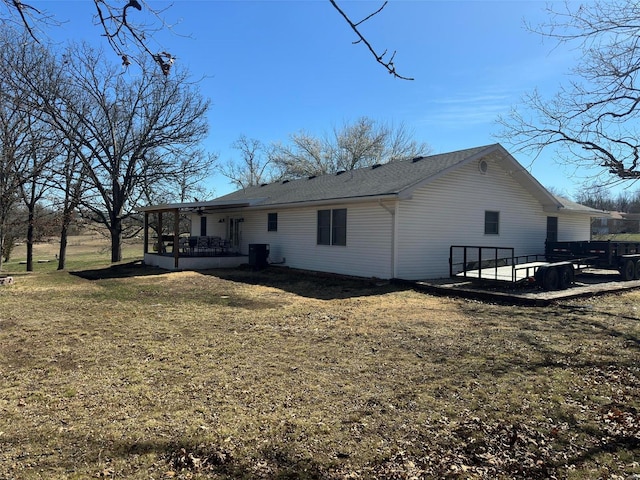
x=203 y=244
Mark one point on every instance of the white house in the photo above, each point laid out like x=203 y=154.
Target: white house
x=396 y=220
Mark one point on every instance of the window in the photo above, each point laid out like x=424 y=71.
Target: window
x=272 y=222
x=324 y=227
x=339 y=226
x=332 y=227
x=491 y=223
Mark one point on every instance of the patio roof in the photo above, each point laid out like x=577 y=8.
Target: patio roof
x=200 y=206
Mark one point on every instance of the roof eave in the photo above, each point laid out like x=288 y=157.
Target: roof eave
x=199 y=205
x=327 y=201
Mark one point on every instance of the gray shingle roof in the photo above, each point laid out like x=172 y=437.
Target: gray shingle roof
x=578 y=207
x=387 y=179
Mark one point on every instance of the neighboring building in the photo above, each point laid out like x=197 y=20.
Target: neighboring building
x=396 y=220
x=616 y=223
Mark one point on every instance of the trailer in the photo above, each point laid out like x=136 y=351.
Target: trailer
x=621 y=256
x=554 y=270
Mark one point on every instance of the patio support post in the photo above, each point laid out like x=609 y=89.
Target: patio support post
x=146 y=232
x=176 y=237
x=160 y=229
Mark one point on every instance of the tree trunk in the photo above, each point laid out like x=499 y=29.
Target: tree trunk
x=62 y=254
x=116 y=240
x=64 y=235
x=1 y=245
x=30 y=230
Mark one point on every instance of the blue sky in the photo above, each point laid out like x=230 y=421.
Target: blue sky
x=272 y=68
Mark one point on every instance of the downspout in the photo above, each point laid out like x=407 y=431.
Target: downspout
x=392 y=212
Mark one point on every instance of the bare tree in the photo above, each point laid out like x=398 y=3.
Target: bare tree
x=362 y=143
x=304 y=155
x=593 y=120
x=136 y=21
x=187 y=183
x=13 y=159
x=70 y=181
x=253 y=168
x=125 y=130
x=37 y=176
x=16 y=140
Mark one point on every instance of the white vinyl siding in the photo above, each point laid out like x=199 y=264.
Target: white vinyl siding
x=573 y=227
x=451 y=211
x=367 y=252
x=447 y=211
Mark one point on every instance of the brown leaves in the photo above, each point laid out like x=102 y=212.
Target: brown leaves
x=165 y=60
x=197 y=459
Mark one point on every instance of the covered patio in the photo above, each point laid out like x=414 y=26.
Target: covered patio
x=174 y=238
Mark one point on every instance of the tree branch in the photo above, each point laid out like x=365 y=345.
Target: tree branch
x=20 y=7
x=388 y=64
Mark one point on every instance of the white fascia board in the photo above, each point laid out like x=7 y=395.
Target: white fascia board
x=330 y=201
x=203 y=205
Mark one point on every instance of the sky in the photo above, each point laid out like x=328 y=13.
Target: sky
x=272 y=68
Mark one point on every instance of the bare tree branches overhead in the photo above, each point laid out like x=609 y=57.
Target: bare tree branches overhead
x=593 y=120
x=384 y=59
x=120 y=30
x=129 y=27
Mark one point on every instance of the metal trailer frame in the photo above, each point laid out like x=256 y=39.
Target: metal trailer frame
x=551 y=272
x=493 y=264
x=605 y=254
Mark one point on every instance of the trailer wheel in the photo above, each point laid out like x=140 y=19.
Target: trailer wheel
x=637 y=271
x=628 y=270
x=566 y=277
x=551 y=279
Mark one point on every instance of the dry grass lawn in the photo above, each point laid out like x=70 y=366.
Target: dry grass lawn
x=130 y=372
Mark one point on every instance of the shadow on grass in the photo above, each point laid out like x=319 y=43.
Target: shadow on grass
x=321 y=286
x=120 y=270
x=518 y=458
x=173 y=458
x=318 y=285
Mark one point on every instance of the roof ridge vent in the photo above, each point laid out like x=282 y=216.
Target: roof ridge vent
x=285 y=181
x=264 y=184
x=340 y=172
x=311 y=177
x=416 y=159
x=377 y=165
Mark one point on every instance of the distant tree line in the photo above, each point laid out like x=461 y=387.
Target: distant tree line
x=46 y=222
x=603 y=199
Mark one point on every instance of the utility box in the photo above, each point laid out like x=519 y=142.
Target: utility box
x=258 y=255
